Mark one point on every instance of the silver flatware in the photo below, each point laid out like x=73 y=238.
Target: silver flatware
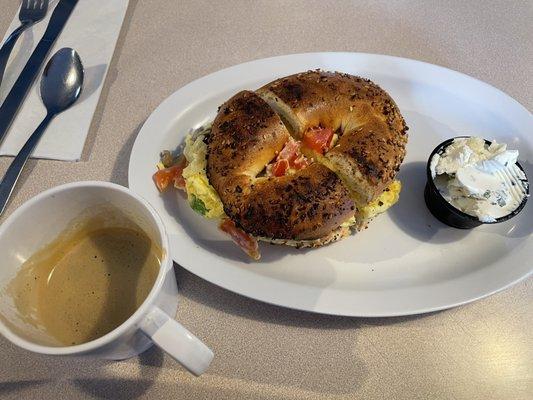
x=31 y=12
x=17 y=94
x=61 y=86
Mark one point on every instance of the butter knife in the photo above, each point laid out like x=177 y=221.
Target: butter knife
x=18 y=92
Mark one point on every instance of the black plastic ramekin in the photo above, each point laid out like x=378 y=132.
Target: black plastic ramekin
x=448 y=214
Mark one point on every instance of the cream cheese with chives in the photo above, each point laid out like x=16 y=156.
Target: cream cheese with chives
x=479 y=179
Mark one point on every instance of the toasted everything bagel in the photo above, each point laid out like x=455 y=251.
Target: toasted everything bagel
x=372 y=132
x=246 y=135
x=306 y=207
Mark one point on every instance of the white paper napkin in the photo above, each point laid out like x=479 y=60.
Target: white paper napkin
x=92 y=30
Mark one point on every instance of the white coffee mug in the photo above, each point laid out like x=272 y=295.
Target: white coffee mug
x=39 y=221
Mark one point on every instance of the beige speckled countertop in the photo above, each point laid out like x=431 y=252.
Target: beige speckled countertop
x=482 y=350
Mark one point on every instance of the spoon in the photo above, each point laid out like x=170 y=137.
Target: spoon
x=61 y=86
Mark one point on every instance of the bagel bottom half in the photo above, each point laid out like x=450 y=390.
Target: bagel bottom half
x=307 y=205
x=205 y=200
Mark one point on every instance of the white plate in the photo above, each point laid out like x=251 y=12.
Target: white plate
x=406 y=262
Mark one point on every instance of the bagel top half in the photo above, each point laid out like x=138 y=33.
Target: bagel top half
x=372 y=132
x=252 y=128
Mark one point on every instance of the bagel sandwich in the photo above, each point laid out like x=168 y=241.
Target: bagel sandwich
x=303 y=161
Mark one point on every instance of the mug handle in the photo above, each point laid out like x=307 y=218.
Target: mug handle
x=174 y=339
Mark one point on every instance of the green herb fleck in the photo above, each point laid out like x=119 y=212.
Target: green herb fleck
x=198 y=205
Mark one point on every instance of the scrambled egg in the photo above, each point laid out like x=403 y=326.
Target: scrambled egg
x=384 y=201
x=201 y=195
x=381 y=204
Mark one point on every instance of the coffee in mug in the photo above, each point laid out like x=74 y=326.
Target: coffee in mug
x=87 y=281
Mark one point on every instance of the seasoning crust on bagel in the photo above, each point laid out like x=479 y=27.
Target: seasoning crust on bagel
x=301 y=161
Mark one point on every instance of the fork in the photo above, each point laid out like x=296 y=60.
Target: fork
x=31 y=12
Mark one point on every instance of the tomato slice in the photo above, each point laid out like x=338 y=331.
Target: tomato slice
x=318 y=139
x=280 y=167
x=289 y=157
x=163 y=177
x=246 y=242
x=290 y=151
x=179 y=180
